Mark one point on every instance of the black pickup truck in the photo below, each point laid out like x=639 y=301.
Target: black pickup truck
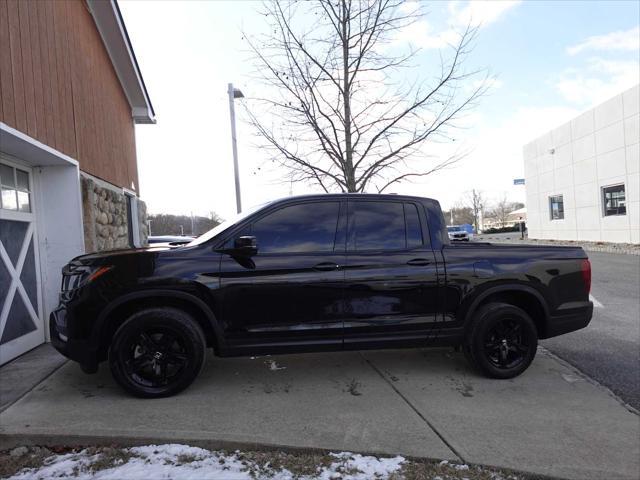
x=316 y=273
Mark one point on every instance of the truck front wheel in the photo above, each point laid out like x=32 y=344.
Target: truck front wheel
x=157 y=352
x=501 y=340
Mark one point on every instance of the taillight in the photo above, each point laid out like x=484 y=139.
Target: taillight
x=586 y=274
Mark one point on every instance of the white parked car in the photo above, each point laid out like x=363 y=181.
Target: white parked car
x=457 y=234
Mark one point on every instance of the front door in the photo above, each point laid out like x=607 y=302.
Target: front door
x=391 y=282
x=21 y=327
x=290 y=292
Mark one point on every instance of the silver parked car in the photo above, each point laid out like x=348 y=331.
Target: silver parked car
x=457 y=234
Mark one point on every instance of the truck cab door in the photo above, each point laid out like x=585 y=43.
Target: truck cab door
x=391 y=279
x=291 y=291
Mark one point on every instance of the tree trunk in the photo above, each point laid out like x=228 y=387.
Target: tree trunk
x=349 y=173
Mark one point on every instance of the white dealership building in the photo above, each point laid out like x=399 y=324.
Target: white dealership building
x=582 y=178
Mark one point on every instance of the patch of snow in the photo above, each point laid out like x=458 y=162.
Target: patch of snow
x=595 y=301
x=182 y=462
x=273 y=365
x=353 y=466
x=570 y=378
x=153 y=461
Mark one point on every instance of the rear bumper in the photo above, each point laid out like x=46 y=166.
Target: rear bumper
x=80 y=351
x=570 y=322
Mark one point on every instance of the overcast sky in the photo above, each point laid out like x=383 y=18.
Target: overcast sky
x=552 y=60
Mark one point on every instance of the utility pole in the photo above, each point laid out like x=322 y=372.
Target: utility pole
x=233 y=94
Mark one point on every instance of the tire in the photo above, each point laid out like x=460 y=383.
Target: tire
x=501 y=340
x=157 y=352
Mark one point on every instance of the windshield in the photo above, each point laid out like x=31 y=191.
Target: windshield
x=217 y=230
x=453 y=229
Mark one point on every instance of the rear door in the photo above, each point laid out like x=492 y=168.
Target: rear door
x=391 y=281
x=291 y=291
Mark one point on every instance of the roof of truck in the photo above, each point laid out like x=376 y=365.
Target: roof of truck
x=354 y=195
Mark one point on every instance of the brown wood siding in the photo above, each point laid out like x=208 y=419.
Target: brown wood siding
x=57 y=85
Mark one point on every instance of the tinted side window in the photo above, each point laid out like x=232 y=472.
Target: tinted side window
x=377 y=226
x=414 y=230
x=308 y=227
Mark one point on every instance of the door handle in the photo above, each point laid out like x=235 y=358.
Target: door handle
x=418 y=262
x=326 y=267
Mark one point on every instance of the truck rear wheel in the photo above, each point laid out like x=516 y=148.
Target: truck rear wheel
x=157 y=352
x=501 y=340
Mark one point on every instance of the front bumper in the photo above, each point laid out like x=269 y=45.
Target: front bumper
x=81 y=351
x=570 y=322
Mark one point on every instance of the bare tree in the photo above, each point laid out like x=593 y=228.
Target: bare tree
x=166 y=224
x=475 y=201
x=459 y=215
x=340 y=109
x=500 y=212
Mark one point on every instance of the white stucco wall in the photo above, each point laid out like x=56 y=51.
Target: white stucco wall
x=60 y=236
x=597 y=149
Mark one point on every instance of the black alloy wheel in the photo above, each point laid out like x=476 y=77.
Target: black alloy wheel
x=156 y=357
x=157 y=352
x=505 y=345
x=501 y=340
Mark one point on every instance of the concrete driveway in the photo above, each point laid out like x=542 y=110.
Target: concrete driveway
x=420 y=403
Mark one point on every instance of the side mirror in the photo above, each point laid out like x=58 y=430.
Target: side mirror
x=245 y=245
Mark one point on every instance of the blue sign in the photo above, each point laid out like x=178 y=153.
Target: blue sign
x=518 y=181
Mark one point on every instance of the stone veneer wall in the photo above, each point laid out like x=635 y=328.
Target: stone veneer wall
x=143 y=223
x=105 y=216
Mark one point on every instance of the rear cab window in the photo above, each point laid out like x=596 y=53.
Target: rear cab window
x=384 y=226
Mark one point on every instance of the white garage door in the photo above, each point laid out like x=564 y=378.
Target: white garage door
x=21 y=322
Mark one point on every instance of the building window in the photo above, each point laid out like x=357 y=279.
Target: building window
x=556 y=207
x=14 y=184
x=613 y=200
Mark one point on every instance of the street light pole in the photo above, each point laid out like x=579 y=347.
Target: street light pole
x=233 y=94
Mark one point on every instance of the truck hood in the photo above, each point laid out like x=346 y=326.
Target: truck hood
x=119 y=255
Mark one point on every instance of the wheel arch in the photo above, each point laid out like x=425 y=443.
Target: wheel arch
x=120 y=309
x=522 y=296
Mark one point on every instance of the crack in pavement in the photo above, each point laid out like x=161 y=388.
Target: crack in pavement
x=414 y=408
